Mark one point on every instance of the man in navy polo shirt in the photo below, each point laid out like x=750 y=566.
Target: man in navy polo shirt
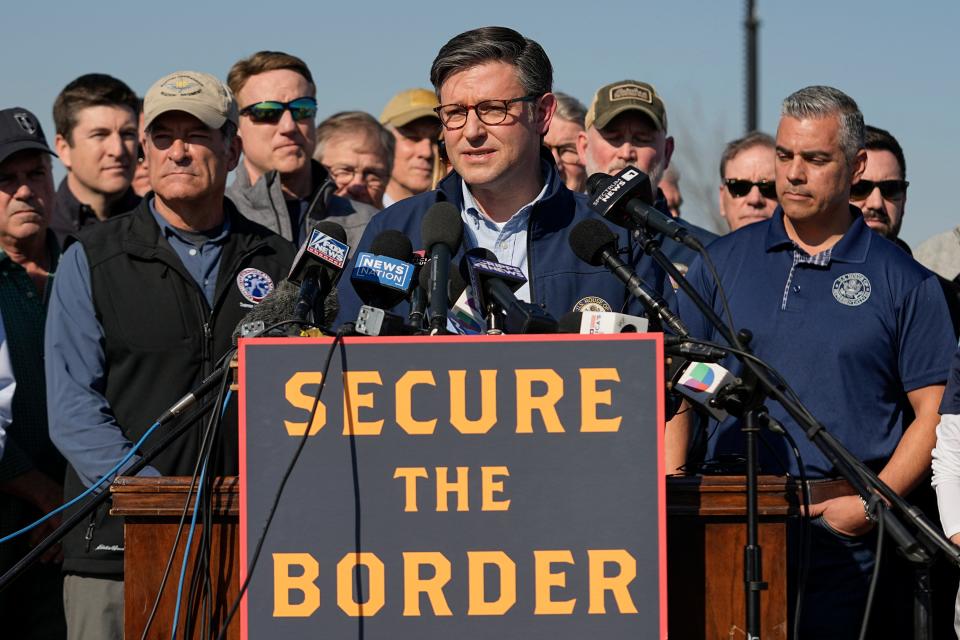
x=859 y=330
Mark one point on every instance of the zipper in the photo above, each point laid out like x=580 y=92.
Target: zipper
x=533 y=296
x=88 y=536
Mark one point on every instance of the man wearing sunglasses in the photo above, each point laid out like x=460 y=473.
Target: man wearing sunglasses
x=881 y=192
x=858 y=329
x=494 y=87
x=748 y=192
x=278 y=184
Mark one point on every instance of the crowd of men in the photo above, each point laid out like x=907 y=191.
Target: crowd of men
x=156 y=260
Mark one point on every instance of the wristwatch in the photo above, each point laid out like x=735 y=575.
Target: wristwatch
x=866 y=511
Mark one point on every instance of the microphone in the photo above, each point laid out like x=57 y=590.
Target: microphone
x=275 y=308
x=418 y=293
x=382 y=276
x=701 y=383
x=442 y=232
x=626 y=200
x=494 y=284
x=318 y=265
x=594 y=243
x=603 y=322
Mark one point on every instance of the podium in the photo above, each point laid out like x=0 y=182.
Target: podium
x=152 y=508
x=705 y=532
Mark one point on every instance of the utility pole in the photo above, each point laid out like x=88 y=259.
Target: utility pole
x=751 y=25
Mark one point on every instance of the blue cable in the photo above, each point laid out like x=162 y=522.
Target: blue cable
x=193 y=524
x=99 y=482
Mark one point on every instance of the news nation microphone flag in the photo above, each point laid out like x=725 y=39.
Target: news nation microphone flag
x=383 y=270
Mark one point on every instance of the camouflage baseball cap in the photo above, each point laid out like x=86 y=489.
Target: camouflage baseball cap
x=194 y=92
x=627 y=95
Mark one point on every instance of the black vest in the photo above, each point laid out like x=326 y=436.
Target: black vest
x=160 y=340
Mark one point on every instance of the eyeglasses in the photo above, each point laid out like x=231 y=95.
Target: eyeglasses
x=889 y=189
x=740 y=188
x=344 y=174
x=566 y=152
x=270 y=111
x=490 y=112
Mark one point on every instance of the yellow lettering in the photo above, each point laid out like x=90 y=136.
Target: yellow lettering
x=618 y=584
x=491 y=487
x=353 y=401
x=545 y=580
x=458 y=402
x=590 y=397
x=546 y=404
x=410 y=475
x=284 y=583
x=293 y=391
x=414 y=585
x=376 y=587
x=404 y=393
x=445 y=487
x=478 y=605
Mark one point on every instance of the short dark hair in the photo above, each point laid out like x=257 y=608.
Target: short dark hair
x=261 y=62
x=487 y=44
x=90 y=90
x=877 y=139
x=749 y=141
x=348 y=122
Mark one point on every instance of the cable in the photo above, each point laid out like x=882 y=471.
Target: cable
x=183 y=517
x=882 y=513
x=337 y=341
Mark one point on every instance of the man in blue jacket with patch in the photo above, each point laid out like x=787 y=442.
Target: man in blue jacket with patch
x=496 y=104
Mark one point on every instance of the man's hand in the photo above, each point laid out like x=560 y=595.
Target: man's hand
x=844 y=514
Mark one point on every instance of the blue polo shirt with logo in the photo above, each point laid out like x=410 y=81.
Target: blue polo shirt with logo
x=851 y=330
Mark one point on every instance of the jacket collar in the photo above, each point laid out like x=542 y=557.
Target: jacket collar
x=268 y=190
x=81 y=214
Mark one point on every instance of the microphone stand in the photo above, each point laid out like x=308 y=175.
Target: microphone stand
x=882 y=501
x=95 y=500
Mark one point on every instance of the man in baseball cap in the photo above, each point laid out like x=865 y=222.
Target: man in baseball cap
x=31 y=470
x=143 y=307
x=411 y=118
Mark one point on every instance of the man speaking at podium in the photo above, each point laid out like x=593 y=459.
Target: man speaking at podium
x=143 y=307
x=494 y=87
x=857 y=328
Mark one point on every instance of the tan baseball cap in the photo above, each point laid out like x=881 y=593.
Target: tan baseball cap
x=627 y=95
x=410 y=105
x=194 y=92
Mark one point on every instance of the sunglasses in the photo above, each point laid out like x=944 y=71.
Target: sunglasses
x=889 y=189
x=270 y=111
x=740 y=188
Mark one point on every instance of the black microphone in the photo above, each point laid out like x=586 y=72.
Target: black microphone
x=442 y=232
x=627 y=201
x=382 y=276
x=418 y=294
x=594 y=243
x=318 y=265
x=494 y=284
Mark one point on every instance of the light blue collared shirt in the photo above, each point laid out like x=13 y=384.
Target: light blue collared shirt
x=507 y=240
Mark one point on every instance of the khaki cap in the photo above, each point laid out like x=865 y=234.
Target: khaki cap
x=410 y=105
x=627 y=95
x=194 y=92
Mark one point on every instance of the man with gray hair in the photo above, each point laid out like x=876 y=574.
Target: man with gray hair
x=357 y=151
x=859 y=330
x=143 y=307
x=561 y=139
x=748 y=191
x=411 y=118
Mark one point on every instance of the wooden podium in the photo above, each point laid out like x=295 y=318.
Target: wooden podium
x=705 y=533
x=152 y=508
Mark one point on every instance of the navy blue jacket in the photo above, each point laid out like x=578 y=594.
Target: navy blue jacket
x=558 y=279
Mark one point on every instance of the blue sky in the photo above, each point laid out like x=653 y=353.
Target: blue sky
x=898 y=60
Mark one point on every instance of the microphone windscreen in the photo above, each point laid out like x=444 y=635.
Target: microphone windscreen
x=276 y=307
x=597 y=183
x=393 y=244
x=331 y=229
x=589 y=237
x=477 y=252
x=442 y=225
x=570 y=322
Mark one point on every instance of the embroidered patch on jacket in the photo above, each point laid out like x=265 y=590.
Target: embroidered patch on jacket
x=254 y=284
x=851 y=289
x=592 y=303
